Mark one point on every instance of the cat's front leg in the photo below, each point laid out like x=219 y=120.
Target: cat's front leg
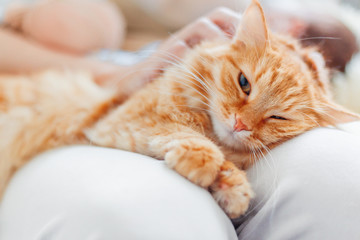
x=202 y=162
x=187 y=151
x=232 y=190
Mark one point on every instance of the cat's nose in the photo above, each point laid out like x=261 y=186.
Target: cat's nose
x=239 y=125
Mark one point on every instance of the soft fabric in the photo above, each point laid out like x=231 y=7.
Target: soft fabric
x=91 y=193
x=307 y=189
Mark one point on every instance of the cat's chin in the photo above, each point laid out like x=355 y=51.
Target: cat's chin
x=229 y=138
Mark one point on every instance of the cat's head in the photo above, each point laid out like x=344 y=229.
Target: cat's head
x=264 y=88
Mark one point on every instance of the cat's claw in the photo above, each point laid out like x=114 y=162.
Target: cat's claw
x=232 y=191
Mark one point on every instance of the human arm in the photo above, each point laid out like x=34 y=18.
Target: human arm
x=21 y=55
x=76 y=27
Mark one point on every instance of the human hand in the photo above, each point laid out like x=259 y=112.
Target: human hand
x=219 y=24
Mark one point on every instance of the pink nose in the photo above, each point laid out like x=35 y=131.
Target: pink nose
x=239 y=125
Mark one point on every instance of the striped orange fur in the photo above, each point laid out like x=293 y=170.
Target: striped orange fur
x=187 y=116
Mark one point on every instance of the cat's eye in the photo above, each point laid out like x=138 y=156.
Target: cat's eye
x=244 y=84
x=278 y=117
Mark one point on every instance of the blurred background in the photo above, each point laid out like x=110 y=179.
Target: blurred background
x=153 y=19
x=331 y=25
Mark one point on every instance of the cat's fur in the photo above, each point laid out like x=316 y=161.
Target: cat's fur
x=187 y=116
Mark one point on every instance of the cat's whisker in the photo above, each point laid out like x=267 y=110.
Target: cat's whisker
x=183 y=83
x=187 y=96
x=163 y=55
x=253 y=160
x=311 y=118
x=200 y=79
x=172 y=70
x=185 y=65
x=203 y=83
x=263 y=156
x=322 y=111
x=270 y=162
x=257 y=170
x=197 y=99
x=168 y=58
x=256 y=153
x=204 y=87
x=181 y=65
x=204 y=60
x=254 y=157
x=188 y=80
x=273 y=185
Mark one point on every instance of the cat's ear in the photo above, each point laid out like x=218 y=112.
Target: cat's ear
x=334 y=114
x=252 y=30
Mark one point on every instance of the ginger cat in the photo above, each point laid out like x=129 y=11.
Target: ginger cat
x=207 y=116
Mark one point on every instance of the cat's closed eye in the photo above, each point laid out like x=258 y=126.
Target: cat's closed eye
x=244 y=84
x=277 y=117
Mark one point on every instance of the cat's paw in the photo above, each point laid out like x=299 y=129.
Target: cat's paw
x=196 y=159
x=232 y=191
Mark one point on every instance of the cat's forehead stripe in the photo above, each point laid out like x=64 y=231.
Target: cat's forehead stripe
x=232 y=61
x=261 y=72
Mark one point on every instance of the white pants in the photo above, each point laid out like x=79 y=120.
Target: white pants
x=308 y=188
